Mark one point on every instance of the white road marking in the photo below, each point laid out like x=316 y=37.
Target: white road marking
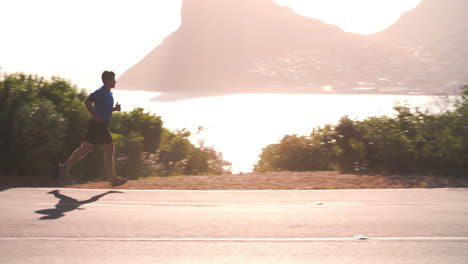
x=98 y=204
x=421 y=238
x=213 y=205
x=210 y=191
x=168 y=190
x=313 y=205
x=319 y=239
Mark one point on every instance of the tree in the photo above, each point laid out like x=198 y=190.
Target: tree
x=295 y=153
x=149 y=126
x=37 y=136
x=412 y=142
x=43 y=121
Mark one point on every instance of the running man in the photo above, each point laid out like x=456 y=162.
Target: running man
x=100 y=104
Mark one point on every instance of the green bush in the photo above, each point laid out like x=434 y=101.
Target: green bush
x=37 y=134
x=294 y=153
x=412 y=142
x=42 y=122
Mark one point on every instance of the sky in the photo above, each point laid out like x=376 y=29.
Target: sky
x=77 y=40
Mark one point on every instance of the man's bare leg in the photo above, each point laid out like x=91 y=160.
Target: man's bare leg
x=78 y=154
x=109 y=163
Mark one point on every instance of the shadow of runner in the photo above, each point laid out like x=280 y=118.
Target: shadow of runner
x=67 y=204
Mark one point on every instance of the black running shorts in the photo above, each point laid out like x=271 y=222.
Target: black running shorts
x=98 y=133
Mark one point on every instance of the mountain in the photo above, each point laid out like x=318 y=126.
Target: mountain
x=436 y=34
x=255 y=46
x=429 y=22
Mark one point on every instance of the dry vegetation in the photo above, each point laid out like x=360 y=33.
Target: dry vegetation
x=284 y=181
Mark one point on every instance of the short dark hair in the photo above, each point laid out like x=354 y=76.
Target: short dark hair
x=107 y=75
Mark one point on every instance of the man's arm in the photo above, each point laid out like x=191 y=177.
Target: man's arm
x=89 y=106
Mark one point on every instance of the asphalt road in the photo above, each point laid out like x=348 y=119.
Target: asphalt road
x=38 y=225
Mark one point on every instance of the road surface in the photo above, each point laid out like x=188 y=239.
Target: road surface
x=40 y=225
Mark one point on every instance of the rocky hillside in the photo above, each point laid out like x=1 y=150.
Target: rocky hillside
x=252 y=46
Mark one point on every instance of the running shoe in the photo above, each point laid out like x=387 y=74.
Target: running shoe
x=118 y=182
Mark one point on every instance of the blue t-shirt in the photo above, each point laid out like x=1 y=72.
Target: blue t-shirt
x=103 y=103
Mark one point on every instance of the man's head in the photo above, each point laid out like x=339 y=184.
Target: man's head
x=108 y=78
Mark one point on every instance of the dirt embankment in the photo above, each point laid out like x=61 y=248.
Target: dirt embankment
x=285 y=181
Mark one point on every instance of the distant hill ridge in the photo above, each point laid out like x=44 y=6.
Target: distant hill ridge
x=254 y=46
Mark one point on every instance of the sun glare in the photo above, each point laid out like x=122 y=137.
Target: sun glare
x=356 y=16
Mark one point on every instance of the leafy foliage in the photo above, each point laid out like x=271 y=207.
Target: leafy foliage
x=294 y=153
x=177 y=156
x=412 y=142
x=37 y=133
x=42 y=122
x=35 y=126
